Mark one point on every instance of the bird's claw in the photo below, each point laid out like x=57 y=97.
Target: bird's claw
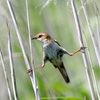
x=30 y=71
x=82 y=49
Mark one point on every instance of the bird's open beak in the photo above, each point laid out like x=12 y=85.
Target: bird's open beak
x=34 y=38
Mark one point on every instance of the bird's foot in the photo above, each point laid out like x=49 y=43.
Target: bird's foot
x=30 y=71
x=82 y=49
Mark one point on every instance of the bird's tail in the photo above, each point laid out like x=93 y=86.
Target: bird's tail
x=64 y=73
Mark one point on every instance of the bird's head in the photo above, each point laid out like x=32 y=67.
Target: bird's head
x=43 y=37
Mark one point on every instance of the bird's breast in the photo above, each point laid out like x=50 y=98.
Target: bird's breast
x=53 y=52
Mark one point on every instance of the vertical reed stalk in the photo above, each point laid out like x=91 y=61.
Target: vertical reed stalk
x=96 y=47
x=12 y=65
x=32 y=77
x=5 y=74
x=83 y=54
x=36 y=90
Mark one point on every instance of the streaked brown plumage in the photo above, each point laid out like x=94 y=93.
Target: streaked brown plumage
x=53 y=52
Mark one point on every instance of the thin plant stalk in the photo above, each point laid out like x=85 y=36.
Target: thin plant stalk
x=96 y=85
x=97 y=23
x=12 y=66
x=21 y=44
x=92 y=67
x=18 y=33
x=37 y=93
x=83 y=54
x=91 y=33
x=5 y=74
x=93 y=73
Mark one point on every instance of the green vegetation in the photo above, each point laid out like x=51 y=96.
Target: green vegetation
x=55 y=18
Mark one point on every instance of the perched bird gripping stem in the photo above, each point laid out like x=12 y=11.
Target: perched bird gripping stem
x=53 y=52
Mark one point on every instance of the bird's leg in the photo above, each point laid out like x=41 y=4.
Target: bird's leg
x=31 y=70
x=71 y=54
x=45 y=59
x=40 y=67
x=43 y=63
x=81 y=49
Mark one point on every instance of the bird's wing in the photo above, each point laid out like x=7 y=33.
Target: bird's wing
x=57 y=42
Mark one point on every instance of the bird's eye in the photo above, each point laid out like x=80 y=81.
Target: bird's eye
x=40 y=36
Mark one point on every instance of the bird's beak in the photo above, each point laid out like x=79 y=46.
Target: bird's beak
x=34 y=38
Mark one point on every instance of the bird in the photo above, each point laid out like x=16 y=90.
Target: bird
x=53 y=52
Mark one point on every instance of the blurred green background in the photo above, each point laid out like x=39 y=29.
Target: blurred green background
x=56 y=18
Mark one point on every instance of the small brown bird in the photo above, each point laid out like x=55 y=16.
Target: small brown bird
x=53 y=52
